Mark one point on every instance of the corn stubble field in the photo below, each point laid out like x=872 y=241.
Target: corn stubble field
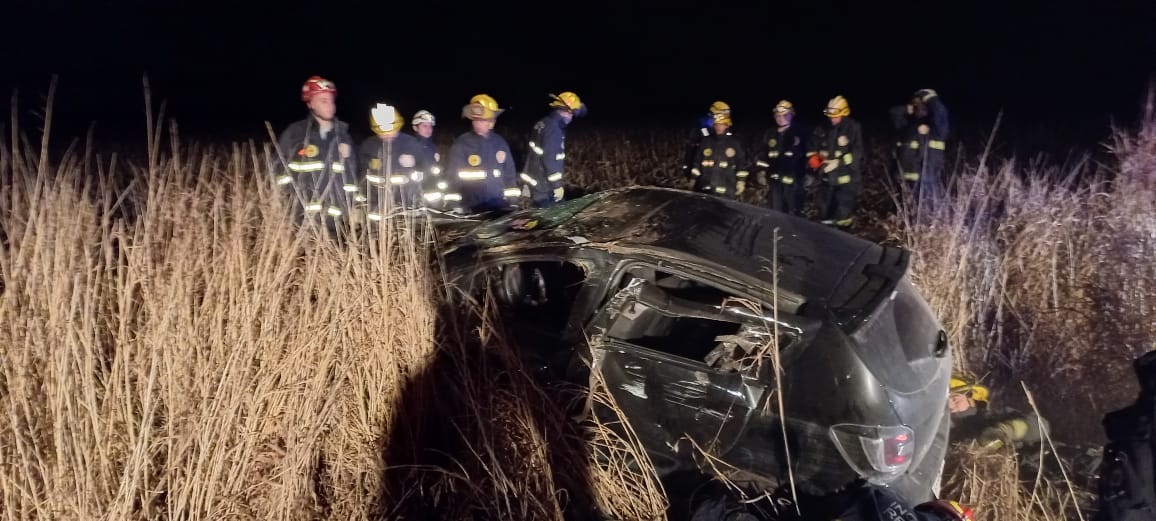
x=174 y=348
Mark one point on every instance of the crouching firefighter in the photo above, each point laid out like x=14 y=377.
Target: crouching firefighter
x=392 y=178
x=543 y=177
x=720 y=163
x=317 y=165
x=992 y=428
x=1127 y=488
x=781 y=162
x=836 y=156
x=481 y=169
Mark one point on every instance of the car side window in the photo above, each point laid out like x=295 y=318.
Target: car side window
x=688 y=319
x=534 y=297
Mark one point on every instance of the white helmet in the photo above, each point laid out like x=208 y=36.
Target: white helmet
x=423 y=116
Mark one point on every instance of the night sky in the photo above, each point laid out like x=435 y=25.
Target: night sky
x=226 y=68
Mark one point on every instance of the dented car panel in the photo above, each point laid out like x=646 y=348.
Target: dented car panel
x=684 y=303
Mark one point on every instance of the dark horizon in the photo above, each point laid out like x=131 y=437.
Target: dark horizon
x=1072 y=68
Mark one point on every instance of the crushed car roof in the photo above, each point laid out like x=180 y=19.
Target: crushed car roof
x=816 y=262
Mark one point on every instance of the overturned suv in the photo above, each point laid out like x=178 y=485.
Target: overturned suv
x=777 y=345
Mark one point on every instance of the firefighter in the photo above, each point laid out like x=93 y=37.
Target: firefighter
x=429 y=161
x=317 y=163
x=973 y=418
x=543 y=177
x=720 y=161
x=705 y=125
x=835 y=154
x=1127 y=474
x=481 y=169
x=781 y=161
x=922 y=145
x=392 y=177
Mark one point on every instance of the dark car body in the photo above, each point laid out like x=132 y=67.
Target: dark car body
x=769 y=341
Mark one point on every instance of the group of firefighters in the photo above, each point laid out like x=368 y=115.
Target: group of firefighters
x=831 y=156
x=332 y=178
x=392 y=169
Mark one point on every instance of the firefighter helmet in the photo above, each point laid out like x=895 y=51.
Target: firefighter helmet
x=423 y=116
x=481 y=106
x=315 y=85
x=722 y=117
x=976 y=392
x=784 y=107
x=720 y=107
x=489 y=102
x=837 y=107
x=947 y=509
x=568 y=101
x=385 y=120
x=925 y=94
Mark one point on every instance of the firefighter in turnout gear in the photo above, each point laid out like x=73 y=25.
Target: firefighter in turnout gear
x=543 y=177
x=720 y=163
x=782 y=161
x=835 y=154
x=317 y=163
x=1127 y=472
x=705 y=125
x=973 y=418
x=390 y=157
x=922 y=145
x=434 y=185
x=481 y=169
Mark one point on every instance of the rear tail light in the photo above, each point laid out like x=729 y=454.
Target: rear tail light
x=879 y=453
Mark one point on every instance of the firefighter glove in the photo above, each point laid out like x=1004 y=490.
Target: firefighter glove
x=526 y=191
x=761 y=178
x=740 y=187
x=344 y=150
x=830 y=165
x=559 y=193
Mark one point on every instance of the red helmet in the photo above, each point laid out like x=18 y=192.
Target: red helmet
x=315 y=85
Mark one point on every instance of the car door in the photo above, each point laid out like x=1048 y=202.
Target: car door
x=667 y=391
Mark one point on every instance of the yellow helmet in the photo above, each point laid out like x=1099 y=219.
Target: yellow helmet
x=976 y=392
x=385 y=119
x=722 y=117
x=481 y=106
x=837 y=107
x=784 y=107
x=568 y=101
x=720 y=107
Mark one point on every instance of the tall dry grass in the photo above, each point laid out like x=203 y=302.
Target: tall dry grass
x=177 y=349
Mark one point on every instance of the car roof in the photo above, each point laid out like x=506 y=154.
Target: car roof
x=816 y=262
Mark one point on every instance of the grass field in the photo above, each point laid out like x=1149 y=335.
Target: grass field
x=174 y=348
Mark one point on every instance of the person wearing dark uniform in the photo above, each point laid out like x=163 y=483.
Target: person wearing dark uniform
x=317 y=163
x=480 y=167
x=429 y=161
x=392 y=178
x=720 y=162
x=1127 y=472
x=705 y=123
x=923 y=145
x=544 y=175
x=782 y=161
x=835 y=154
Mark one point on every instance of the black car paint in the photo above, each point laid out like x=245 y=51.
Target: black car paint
x=829 y=286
